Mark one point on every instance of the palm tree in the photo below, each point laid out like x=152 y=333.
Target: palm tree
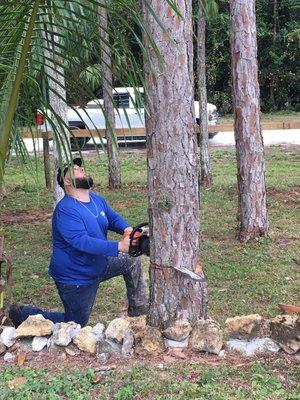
x=23 y=53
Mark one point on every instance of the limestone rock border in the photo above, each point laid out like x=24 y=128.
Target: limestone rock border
x=246 y=335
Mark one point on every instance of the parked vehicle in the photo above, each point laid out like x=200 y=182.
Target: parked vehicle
x=129 y=115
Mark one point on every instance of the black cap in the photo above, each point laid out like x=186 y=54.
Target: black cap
x=61 y=174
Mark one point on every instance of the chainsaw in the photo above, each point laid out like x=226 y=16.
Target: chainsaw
x=139 y=244
x=139 y=240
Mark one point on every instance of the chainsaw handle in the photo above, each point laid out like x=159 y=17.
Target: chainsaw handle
x=137 y=229
x=133 y=252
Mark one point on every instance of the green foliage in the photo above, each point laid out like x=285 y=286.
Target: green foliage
x=278 y=48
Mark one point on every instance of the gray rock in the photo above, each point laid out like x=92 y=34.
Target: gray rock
x=2 y=346
x=107 y=348
x=98 y=332
x=285 y=330
x=39 y=342
x=254 y=347
x=8 y=336
x=52 y=347
x=64 y=332
x=177 y=344
x=25 y=345
x=128 y=343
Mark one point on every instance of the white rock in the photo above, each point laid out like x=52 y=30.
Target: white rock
x=9 y=357
x=39 y=342
x=128 y=342
x=2 y=346
x=253 y=347
x=222 y=354
x=176 y=343
x=8 y=336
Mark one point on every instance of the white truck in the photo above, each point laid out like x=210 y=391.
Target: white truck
x=127 y=116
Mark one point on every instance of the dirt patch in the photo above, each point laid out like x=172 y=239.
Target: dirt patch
x=26 y=217
x=60 y=361
x=285 y=240
x=289 y=197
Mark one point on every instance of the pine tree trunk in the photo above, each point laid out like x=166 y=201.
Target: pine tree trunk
x=114 y=173
x=205 y=169
x=252 y=210
x=172 y=169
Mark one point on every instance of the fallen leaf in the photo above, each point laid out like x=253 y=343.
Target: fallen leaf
x=21 y=359
x=97 y=379
x=70 y=352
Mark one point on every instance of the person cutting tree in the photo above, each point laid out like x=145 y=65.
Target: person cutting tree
x=82 y=256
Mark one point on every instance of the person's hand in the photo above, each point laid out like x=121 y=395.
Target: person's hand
x=127 y=232
x=123 y=246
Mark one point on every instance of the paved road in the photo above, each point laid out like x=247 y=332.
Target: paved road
x=284 y=136
x=275 y=137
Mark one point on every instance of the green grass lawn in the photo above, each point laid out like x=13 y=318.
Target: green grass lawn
x=243 y=278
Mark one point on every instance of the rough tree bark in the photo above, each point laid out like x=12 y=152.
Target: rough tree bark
x=205 y=168
x=172 y=169
x=252 y=210
x=114 y=174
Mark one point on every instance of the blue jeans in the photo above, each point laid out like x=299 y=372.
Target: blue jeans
x=78 y=300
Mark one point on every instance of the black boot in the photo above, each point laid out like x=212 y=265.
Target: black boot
x=137 y=311
x=15 y=315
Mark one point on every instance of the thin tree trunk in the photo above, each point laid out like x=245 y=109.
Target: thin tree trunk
x=252 y=210
x=46 y=156
x=172 y=169
x=205 y=168
x=114 y=173
x=273 y=78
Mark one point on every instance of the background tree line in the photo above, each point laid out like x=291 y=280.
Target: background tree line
x=278 y=35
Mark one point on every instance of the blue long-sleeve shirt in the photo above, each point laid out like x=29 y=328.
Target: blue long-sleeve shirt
x=79 y=236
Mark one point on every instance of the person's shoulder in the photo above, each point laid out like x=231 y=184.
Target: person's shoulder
x=66 y=203
x=97 y=197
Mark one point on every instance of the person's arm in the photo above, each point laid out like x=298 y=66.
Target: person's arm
x=116 y=223
x=72 y=229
